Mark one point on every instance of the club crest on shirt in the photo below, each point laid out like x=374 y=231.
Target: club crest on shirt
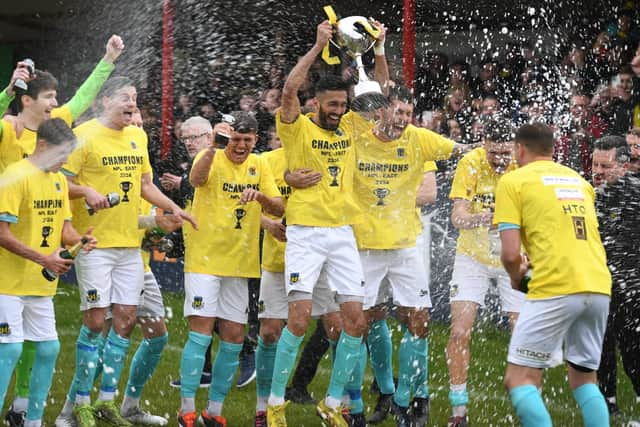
x=93 y=295
x=58 y=187
x=252 y=171
x=197 y=303
x=133 y=145
x=5 y=330
x=294 y=277
x=401 y=152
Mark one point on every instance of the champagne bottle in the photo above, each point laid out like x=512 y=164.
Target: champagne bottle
x=70 y=253
x=112 y=198
x=524 y=282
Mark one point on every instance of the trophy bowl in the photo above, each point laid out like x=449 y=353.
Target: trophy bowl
x=355 y=35
x=352 y=36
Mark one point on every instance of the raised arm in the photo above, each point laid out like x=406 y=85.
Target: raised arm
x=290 y=108
x=381 y=68
x=87 y=92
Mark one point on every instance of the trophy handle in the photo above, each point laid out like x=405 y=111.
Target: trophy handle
x=326 y=52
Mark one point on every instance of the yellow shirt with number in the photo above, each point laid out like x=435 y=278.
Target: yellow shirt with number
x=227 y=242
x=109 y=161
x=387 y=178
x=36 y=205
x=330 y=203
x=475 y=181
x=273 y=249
x=554 y=208
x=13 y=149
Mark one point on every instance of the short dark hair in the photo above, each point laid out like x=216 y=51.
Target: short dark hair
x=537 y=137
x=401 y=93
x=330 y=82
x=498 y=130
x=614 y=142
x=43 y=81
x=244 y=122
x=55 y=132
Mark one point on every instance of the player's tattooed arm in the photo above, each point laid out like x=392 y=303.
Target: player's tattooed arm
x=290 y=109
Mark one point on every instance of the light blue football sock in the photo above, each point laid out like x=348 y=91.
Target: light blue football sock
x=459 y=398
x=41 y=377
x=265 y=359
x=421 y=351
x=114 y=356
x=100 y=348
x=192 y=363
x=286 y=353
x=354 y=386
x=347 y=353
x=144 y=363
x=406 y=370
x=593 y=406
x=86 y=363
x=529 y=406
x=9 y=355
x=225 y=366
x=381 y=353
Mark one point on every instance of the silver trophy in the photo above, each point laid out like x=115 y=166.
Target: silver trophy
x=355 y=35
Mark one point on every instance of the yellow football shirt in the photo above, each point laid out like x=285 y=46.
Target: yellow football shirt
x=13 y=149
x=386 y=182
x=554 y=208
x=36 y=205
x=329 y=203
x=145 y=209
x=109 y=160
x=227 y=242
x=475 y=181
x=272 y=249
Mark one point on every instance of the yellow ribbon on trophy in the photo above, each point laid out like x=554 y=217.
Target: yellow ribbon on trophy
x=333 y=20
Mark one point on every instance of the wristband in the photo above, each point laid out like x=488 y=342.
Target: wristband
x=378 y=49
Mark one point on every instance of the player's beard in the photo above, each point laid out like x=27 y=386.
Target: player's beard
x=323 y=120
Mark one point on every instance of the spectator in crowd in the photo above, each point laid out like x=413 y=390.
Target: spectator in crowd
x=619 y=228
x=573 y=148
x=626 y=89
x=633 y=141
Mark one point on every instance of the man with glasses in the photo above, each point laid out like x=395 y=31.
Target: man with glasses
x=633 y=142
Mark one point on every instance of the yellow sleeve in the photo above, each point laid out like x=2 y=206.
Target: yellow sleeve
x=267 y=181
x=434 y=146
x=508 y=203
x=464 y=180
x=289 y=133
x=430 y=166
x=75 y=161
x=63 y=112
x=10 y=196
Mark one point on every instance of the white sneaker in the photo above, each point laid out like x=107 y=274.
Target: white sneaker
x=66 y=420
x=136 y=415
